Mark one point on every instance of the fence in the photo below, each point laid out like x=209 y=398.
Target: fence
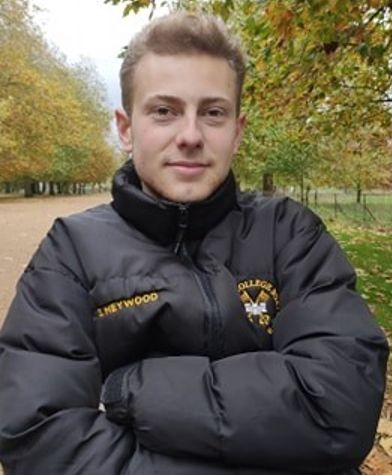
x=374 y=209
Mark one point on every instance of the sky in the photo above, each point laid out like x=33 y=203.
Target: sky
x=92 y=29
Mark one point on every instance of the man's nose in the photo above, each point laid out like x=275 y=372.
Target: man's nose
x=190 y=134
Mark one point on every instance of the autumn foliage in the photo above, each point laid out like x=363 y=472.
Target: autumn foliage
x=54 y=121
x=318 y=92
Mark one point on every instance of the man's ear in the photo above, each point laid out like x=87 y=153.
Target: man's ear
x=240 y=126
x=123 y=125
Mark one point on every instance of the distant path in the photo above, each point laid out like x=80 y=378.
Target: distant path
x=23 y=224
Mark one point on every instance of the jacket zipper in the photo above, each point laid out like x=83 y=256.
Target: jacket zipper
x=213 y=315
x=182 y=227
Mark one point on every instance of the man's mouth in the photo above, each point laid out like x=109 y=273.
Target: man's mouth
x=188 y=168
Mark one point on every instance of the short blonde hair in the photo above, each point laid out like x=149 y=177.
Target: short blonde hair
x=182 y=33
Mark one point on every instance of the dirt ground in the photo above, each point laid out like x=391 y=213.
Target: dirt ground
x=24 y=222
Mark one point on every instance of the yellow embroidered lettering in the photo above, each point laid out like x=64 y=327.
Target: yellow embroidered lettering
x=100 y=312
x=154 y=296
x=137 y=300
x=128 y=303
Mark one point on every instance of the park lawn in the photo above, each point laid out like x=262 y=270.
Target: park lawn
x=370 y=252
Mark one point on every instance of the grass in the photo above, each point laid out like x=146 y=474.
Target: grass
x=370 y=252
x=374 y=209
x=365 y=233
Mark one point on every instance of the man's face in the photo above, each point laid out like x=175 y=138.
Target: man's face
x=183 y=130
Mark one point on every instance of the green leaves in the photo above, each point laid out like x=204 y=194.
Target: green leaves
x=134 y=6
x=318 y=87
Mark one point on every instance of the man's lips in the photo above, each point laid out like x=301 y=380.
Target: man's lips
x=186 y=164
x=187 y=168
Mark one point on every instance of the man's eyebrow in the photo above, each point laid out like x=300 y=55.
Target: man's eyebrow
x=175 y=99
x=216 y=100
x=164 y=98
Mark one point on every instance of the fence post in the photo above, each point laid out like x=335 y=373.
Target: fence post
x=367 y=212
x=364 y=207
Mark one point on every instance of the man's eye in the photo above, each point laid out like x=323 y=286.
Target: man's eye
x=215 y=113
x=163 y=111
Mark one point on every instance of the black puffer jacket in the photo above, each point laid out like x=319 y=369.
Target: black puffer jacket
x=233 y=338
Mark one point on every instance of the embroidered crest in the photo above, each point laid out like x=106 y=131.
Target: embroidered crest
x=261 y=302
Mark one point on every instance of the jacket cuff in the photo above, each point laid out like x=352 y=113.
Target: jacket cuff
x=114 y=396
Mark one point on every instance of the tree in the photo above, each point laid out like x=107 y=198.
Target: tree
x=87 y=122
x=314 y=67
x=53 y=117
x=358 y=158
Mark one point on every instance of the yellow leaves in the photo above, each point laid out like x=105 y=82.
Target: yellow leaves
x=377 y=3
x=382 y=465
x=281 y=19
x=7 y=138
x=45 y=105
x=333 y=4
x=135 y=5
x=378 y=462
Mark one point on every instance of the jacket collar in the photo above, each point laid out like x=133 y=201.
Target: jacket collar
x=167 y=221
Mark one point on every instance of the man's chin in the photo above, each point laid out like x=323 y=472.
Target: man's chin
x=185 y=197
x=181 y=192
x=188 y=195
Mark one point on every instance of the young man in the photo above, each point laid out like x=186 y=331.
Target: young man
x=225 y=330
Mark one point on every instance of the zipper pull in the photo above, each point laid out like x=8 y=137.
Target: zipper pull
x=182 y=227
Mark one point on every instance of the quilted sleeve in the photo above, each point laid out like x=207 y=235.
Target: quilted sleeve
x=50 y=377
x=311 y=405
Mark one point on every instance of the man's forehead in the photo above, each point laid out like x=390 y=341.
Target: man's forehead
x=153 y=60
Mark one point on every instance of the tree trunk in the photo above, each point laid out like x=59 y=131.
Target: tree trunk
x=29 y=188
x=268 y=184
x=307 y=192
x=52 y=188
x=359 y=193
